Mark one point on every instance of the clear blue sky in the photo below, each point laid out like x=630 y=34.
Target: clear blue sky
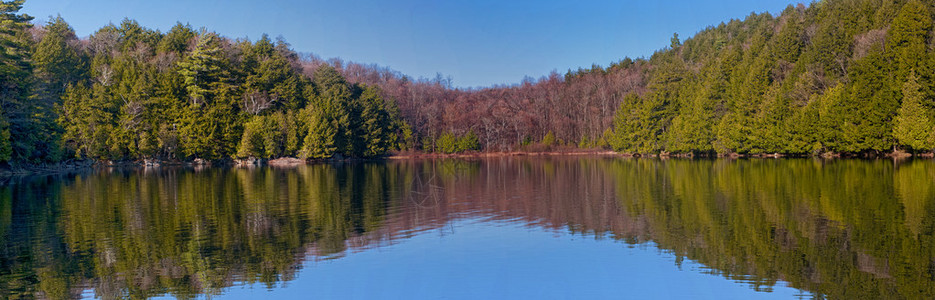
x=477 y=42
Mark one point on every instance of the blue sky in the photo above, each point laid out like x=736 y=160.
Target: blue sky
x=477 y=43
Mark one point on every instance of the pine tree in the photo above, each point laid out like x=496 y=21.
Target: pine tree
x=16 y=121
x=625 y=124
x=251 y=144
x=202 y=69
x=691 y=130
x=913 y=126
x=209 y=127
x=907 y=37
x=468 y=142
x=176 y=40
x=869 y=107
x=58 y=60
x=377 y=128
x=447 y=143
x=805 y=130
x=319 y=142
x=769 y=131
x=335 y=112
x=6 y=149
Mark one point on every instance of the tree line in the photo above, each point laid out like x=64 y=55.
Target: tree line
x=836 y=76
x=846 y=76
x=128 y=93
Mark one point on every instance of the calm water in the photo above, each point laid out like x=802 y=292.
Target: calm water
x=499 y=228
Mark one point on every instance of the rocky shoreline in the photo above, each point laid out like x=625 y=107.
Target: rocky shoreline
x=81 y=165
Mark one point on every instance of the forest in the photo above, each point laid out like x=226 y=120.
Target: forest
x=851 y=77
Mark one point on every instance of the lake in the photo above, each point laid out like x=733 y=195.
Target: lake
x=533 y=228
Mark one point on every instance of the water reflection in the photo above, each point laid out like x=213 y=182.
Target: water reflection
x=841 y=229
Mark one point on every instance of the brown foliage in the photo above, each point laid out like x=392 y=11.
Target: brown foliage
x=580 y=104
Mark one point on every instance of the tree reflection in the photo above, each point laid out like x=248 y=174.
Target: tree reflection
x=841 y=228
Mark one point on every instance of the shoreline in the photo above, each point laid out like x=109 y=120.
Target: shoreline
x=7 y=173
x=424 y=155
x=82 y=165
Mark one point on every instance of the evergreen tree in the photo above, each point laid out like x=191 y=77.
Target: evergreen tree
x=769 y=132
x=691 y=130
x=6 y=149
x=209 y=126
x=805 y=130
x=176 y=41
x=913 y=124
x=333 y=112
x=869 y=107
x=468 y=142
x=58 y=63
x=202 y=70
x=270 y=81
x=319 y=142
x=831 y=118
x=88 y=117
x=377 y=129
x=16 y=121
x=447 y=143
x=826 y=77
x=251 y=144
x=58 y=60
x=907 y=37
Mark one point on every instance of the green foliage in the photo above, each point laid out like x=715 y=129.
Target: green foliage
x=806 y=129
x=27 y=125
x=548 y=140
x=609 y=139
x=319 y=142
x=252 y=144
x=913 y=124
x=868 y=108
x=639 y=123
x=826 y=77
x=202 y=70
x=449 y=143
x=217 y=100
x=692 y=130
x=176 y=40
x=446 y=143
x=428 y=144
x=907 y=37
x=6 y=149
x=350 y=119
x=378 y=130
x=336 y=112
x=584 y=143
x=270 y=81
x=468 y=142
x=406 y=139
x=272 y=136
x=58 y=61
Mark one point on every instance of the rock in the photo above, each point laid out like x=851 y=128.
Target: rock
x=286 y=162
